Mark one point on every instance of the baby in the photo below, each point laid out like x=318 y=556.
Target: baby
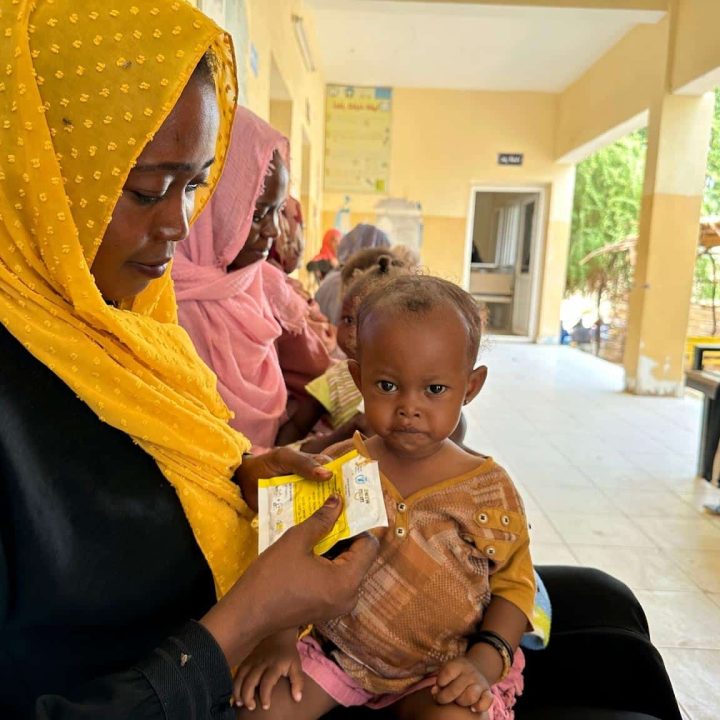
x=441 y=612
x=333 y=395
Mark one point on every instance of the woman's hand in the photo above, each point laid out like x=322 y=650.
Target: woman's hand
x=289 y=586
x=280 y=461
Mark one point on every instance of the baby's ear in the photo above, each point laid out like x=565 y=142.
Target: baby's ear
x=475 y=383
x=354 y=368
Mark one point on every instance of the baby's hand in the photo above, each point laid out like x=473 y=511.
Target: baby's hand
x=460 y=681
x=273 y=658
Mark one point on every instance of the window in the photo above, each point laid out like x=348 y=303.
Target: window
x=507 y=235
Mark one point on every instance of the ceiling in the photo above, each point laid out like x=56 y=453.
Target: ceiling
x=464 y=46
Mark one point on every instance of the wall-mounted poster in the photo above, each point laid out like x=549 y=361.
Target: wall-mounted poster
x=214 y=9
x=358 y=123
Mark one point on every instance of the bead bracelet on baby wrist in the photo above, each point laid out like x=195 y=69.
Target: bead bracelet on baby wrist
x=503 y=647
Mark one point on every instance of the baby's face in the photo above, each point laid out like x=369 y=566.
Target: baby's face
x=415 y=375
x=347 y=329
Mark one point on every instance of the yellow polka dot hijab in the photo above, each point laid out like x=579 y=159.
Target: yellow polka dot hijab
x=84 y=84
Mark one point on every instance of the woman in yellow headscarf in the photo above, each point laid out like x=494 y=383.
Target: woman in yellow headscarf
x=123 y=502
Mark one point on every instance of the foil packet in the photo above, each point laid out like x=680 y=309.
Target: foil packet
x=288 y=500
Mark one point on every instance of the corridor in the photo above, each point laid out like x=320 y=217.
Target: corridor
x=608 y=481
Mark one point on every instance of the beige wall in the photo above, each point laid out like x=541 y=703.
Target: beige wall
x=271 y=32
x=444 y=142
x=680 y=53
x=617 y=88
x=552 y=288
x=281 y=118
x=696 y=51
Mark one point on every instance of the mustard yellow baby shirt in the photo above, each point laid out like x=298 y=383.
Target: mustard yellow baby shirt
x=448 y=550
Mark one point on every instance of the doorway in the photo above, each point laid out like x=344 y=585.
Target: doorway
x=502 y=260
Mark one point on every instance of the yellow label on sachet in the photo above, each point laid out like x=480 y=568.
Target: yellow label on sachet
x=288 y=500
x=309 y=496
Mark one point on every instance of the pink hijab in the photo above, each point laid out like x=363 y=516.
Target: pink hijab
x=234 y=318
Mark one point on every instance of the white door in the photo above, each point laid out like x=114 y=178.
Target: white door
x=522 y=299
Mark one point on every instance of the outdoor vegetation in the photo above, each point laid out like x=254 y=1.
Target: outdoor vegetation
x=608 y=189
x=606 y=210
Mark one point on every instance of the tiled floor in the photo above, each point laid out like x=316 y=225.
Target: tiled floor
x=608 y=480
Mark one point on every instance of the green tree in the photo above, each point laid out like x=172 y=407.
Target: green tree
x=711 y=201
x=707 y=265
x=606 y=210
x=705 y=289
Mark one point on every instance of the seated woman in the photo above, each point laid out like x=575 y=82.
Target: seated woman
x=287 y=249
x=123 y=491
x=326 y=259
x=285 y=254
x=234 y=305
x=124 y=496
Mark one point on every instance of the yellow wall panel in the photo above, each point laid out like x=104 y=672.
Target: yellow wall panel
x=271 y=32
x=696 y=49
x=618 y=87
x=444 y=142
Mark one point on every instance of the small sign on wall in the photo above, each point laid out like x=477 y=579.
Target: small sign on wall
x=510 y=158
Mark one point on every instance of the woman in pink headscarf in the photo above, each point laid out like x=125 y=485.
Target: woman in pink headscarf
x=288 y=247
x=235 y=306
x=285 y=255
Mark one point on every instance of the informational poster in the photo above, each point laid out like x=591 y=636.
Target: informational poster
x=358 y=123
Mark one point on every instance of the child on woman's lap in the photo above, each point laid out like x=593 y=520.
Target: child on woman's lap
x=443 y=608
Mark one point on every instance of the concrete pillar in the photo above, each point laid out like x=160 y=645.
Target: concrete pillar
x=678 y=140
x=554 y=266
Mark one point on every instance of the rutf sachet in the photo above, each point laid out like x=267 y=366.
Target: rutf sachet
x=288 y=500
